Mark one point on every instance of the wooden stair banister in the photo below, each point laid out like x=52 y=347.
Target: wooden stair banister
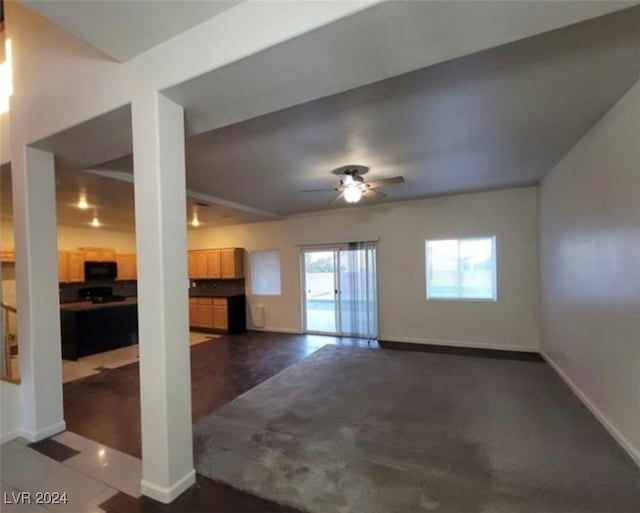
x=7 y=371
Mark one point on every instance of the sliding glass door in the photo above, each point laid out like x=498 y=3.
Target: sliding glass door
x=340 y=290
x=321 y=290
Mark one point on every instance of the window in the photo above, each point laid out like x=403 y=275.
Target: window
x=461 y=269
x=265 y=273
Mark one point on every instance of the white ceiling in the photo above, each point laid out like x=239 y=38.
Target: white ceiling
x=499 y=118
x=125 y=28
x=385 y=40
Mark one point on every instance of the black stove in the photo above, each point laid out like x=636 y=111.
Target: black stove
x=99 y=295
x=107 y=299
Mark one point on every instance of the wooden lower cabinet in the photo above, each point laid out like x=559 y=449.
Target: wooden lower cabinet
x=218 y=314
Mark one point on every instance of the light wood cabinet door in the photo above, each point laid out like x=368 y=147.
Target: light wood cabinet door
x=213 y=263
x=220 y=317
x=192 y=311
x=191 y=264
x=91 y=255
x=107 y=255
x=197 y=264
x=201 y=264
x=231 y=263
x=7 y=255
x=126 y=266
x=204 y=316
x=63 y=267
x=98 y=254
x=202 y=308
x=75 y=266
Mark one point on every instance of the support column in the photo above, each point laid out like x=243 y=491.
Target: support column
x=161 y=224
x=37 y=296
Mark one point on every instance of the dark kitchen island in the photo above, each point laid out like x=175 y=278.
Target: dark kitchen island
x=89 y=328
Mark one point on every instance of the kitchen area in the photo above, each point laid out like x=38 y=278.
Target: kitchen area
x=98 y=297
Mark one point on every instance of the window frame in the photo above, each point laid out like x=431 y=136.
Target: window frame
x=251 y=269
x=494 y=269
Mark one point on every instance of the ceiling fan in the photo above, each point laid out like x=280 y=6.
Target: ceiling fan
x=353 y=187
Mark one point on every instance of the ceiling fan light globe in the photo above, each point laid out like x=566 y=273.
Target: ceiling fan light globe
x=352 y=194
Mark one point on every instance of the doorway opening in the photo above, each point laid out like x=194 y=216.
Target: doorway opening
x=340 y=290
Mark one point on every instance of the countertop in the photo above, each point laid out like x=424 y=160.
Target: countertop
x=81 y=306
x=213 y=293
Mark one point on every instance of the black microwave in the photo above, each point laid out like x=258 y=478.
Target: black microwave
x=100 y=271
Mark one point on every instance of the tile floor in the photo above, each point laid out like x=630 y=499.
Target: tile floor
x=90 y=365
x=88 y=472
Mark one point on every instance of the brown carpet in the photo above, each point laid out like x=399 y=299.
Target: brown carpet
x=378 y=431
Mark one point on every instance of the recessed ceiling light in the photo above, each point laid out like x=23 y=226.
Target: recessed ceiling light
x=96 y=222
x=195 y=221
x=82 y=202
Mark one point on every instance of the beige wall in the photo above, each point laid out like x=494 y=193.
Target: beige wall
x=405 y=314
x=73 y=238
x=590 y=269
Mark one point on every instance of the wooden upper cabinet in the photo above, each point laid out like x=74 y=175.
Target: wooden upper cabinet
x=63 y=267
x=99 y=254
x=201 y=264
x=213 y=263
x=75 y=266
x=197 y=264
x=7 y=255
x=191 y=264
x=70 y=266
x=231 y=263
x=126 y=266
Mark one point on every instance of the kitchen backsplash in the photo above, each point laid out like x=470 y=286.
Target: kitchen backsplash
x=69 y=292
x=212 y=287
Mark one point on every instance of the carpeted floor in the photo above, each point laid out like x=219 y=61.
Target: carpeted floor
x=356 y=430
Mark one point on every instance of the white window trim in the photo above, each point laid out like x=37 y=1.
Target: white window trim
x=493 y=299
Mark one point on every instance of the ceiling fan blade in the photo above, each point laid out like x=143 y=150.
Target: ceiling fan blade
x=385 y=182
x=336 y=198
x=371 y=193
x=320 y=190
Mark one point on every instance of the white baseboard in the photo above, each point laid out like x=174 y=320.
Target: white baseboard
x=7 y=437
x=35 y=436
x=459 y=343
x=167 y=494
x=274 y=329
x=632 y=451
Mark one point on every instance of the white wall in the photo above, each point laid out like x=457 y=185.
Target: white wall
x=59 y=81
x=11 y=418
x=590 y=269
x=405 y=314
